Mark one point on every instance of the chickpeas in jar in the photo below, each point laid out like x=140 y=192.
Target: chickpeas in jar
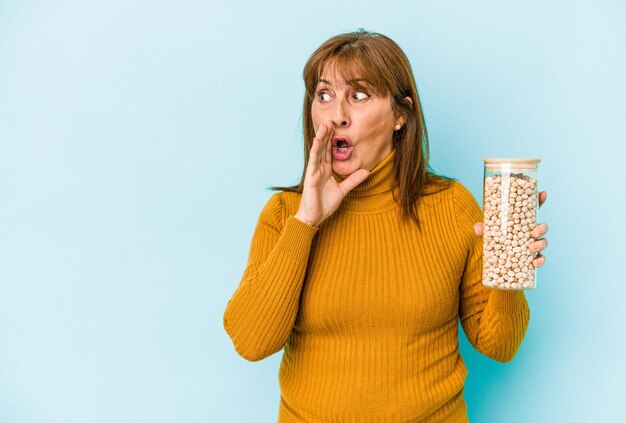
x=510 y=204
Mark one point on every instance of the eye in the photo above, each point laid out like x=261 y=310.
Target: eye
x=360 y=95
x=323 y=96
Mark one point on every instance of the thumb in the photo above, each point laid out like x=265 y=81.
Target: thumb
x=478 y=228
x=353 y=180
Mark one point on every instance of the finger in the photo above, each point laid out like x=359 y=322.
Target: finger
x=311 y=166
x=318 y=140
x=539 y=261
x=539 y=245
x=313 y=153
x=314 y=156
x=479 y=228
x=353 y=180
x=329 y=146
x=320 y=128
x=543 y=195
x=539 y=230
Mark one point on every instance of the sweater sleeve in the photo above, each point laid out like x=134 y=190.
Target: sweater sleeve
x=261 y=313
x=495 y=321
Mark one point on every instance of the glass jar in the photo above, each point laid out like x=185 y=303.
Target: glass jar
x=510 y=203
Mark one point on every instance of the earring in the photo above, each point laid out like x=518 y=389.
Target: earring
x=397 y=127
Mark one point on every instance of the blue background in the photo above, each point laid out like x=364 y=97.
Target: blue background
x=137 y=140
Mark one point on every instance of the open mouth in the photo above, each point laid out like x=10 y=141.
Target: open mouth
x=342 y=148
x=341 y=143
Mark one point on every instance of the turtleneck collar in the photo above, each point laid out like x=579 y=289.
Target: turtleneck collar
x=375 y=193
x=380 y=179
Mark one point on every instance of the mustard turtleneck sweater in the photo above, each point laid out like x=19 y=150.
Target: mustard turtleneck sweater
x=367 y=306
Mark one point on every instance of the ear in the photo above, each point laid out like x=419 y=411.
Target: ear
x=400 y=119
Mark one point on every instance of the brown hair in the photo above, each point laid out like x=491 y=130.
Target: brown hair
x=380 y=61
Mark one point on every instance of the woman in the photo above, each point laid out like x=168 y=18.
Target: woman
x=363 y=270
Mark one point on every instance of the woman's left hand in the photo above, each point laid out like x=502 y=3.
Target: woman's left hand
x=538 y=232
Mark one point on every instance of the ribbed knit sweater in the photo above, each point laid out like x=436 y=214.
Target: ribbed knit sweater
x=367 y=305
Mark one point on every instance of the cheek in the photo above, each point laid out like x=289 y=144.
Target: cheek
x=386 y=122
x=376 y=123
x=318 y=112
x=316 y=116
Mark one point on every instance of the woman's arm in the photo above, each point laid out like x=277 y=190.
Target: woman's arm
x=494 y=321
x=261 y=313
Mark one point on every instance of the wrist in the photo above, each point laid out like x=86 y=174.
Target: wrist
x=305 y=220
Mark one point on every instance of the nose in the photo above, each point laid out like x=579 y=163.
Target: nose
x=341 y=118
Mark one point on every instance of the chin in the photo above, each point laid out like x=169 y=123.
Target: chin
x=344 y=169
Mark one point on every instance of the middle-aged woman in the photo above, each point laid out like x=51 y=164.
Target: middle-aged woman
x=363 y=270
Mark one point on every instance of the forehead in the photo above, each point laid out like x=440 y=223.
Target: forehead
x=351 y=71
x=341 y=72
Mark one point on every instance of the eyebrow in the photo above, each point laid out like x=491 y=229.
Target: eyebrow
x=352 y=81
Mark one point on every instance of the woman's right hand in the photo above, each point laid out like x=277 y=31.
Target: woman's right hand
x=321 y=194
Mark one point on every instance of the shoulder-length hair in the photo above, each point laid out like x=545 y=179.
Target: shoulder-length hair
x=378 y=60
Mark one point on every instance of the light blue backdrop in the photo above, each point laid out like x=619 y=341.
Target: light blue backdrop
x=137 y=139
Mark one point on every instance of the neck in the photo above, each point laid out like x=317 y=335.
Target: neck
x=375 y=193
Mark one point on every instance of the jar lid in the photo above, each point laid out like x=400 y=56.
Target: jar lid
x=511 y=165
